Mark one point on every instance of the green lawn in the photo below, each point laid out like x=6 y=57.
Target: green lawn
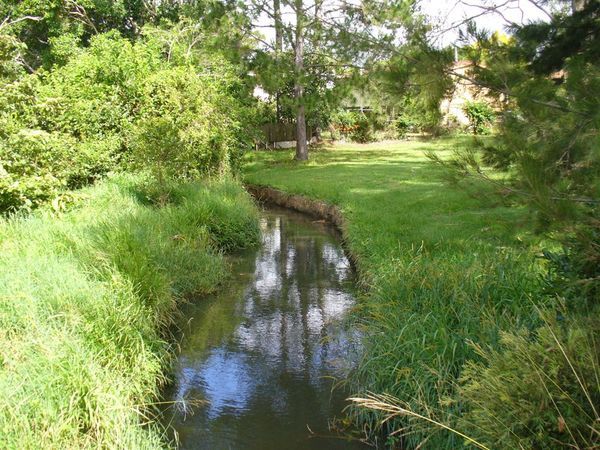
x=442 y=267
x=394 y=197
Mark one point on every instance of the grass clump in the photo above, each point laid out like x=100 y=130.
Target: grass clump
x=443 y=270
x=539 y=391
x=85 y=299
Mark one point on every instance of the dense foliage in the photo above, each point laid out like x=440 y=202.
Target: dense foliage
x=353 y=125
x=409 y=87
x=116 y=105
x=46 y=31
x=480 y=115
x=326 y=86
x=535 y=392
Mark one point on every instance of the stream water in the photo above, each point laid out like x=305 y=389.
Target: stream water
x=259 y=361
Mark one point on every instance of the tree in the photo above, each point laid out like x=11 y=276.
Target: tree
x=55 y=26
x=548 y=132
x=168 y=102
x=410 y=85
x=337 y=40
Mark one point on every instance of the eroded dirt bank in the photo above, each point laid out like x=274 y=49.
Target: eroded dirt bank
x=315 y=208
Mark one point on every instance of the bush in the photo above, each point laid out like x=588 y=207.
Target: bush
x=404 y=125
x=36 y=166
x=362 y=131
x=10 y=51
x=480 y=115
x=65 y=128
x=340 y=124
x=353 y=125
x=185 y=128
x=539 y=391
x=117 y=103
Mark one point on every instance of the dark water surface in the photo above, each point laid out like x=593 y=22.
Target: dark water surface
x=259 y=360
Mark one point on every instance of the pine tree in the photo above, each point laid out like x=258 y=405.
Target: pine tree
x=547 y=77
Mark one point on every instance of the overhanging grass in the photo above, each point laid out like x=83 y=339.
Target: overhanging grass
x=443 y=268
x=85 y=299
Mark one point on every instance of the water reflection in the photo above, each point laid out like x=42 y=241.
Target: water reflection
x=257 y=362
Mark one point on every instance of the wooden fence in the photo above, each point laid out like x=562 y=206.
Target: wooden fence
x=281 y=132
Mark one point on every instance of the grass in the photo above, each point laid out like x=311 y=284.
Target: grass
x=86 y=299
x=442 y=269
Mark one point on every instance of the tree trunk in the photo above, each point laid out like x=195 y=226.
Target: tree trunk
x=278 y=49
x=278 y=26
x=301 y=147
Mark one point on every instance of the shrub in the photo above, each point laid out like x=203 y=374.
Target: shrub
x=35 y=166
x=10 y=50
x=362 y=131
x=353 y=125
x=538 y=391
x=98 y=94
x=184 y=129
x=66 y=128
x=341 y=124
x=117 y=103
x=404 y=125
x=480 y=115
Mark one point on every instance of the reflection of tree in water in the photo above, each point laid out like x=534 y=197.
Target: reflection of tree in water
x=299 y=288
x=270 y=371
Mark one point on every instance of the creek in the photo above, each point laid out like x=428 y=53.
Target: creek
x=260 y=362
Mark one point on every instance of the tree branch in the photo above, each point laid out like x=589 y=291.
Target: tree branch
x=7 y=22
x=451 y=71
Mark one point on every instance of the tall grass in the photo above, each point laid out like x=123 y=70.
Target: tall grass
x=422 y=313
x=85 y=303
x=538 y=390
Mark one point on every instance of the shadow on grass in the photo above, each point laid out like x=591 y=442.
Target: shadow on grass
x=396 y=193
